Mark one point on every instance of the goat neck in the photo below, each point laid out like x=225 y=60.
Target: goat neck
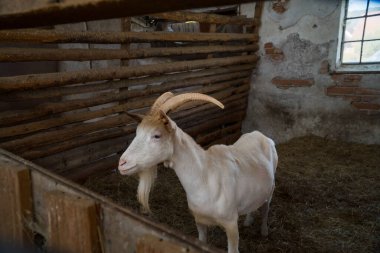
x=187 y=160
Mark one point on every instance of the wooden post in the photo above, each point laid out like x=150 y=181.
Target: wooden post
x=72 y=224
x=15 y=202
x=153 y=244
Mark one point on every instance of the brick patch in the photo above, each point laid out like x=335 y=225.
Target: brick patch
x=347 y=79
x=279 y=6
x=366 y=106
x=274 y=53
x=348 y=90
x=288 y=83
x=361 y=98
x=325 y=67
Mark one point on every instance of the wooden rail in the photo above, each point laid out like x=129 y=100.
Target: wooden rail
x=52 y=36
x=85 y=10
x=45 y=54
x=64 y=78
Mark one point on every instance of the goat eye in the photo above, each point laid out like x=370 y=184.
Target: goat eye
x=156 y=136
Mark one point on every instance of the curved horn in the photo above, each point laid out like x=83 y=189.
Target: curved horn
x=175 y=102
x=160 y=101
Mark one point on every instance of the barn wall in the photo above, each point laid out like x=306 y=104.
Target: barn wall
x=295 y=91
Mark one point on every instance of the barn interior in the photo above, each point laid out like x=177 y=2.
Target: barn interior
x=304 y=73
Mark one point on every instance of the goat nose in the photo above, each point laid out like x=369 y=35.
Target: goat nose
x=122 y=162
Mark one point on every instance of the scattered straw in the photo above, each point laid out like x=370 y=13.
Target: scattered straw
x=327 y=199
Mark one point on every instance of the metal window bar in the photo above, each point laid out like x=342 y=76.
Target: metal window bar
x=362 y=39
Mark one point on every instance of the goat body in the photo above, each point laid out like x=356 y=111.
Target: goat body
x=221 y=183
x=226 y=181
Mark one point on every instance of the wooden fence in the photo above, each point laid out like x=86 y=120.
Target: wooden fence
x=55 y=119
x=39 y=206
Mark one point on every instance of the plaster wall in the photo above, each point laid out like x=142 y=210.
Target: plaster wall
x=291 y=92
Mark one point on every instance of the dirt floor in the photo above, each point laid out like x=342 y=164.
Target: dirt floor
x=327 y=199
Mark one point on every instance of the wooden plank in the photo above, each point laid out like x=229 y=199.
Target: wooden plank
x=58 y=79
x=79 y=141
x=62 y=134
x=16 y=202
x=120 y=84
x=87 y=115
x=85 y=10
x=52 y=54
x=86 y=170
x=153 y=244
x=80 y=156
x=72 y=224
x=209 y=18
x=120 y=226
x=133 y=102
x=52 y=36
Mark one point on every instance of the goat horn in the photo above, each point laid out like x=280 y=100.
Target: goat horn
x=175 y=102
x=160 y=101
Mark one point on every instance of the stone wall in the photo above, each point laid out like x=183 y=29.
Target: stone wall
x=296 y=91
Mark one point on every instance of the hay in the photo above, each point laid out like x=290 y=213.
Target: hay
x=327 y=199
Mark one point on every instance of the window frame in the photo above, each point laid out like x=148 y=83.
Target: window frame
x=350 y=67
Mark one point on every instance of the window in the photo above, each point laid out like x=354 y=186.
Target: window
x=359 y=47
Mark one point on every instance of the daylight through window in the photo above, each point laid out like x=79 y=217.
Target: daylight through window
x=361 y=34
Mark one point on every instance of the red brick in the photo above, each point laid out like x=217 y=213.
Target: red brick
x=268 y=45
x=325 y=67
x=277 y=57
x=270 y=50
x=367 y=91
x=340 y=90
x=366 y=106
x=287 y=83
x=352 y=78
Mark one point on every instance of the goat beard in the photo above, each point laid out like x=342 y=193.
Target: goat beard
x=147 y=178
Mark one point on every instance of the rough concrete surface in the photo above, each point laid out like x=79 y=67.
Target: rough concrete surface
x=308 y=40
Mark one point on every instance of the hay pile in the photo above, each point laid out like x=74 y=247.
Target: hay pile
x=327 y=199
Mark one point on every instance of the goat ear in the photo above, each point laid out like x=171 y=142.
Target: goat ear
x=135 y=116
x=165 y=119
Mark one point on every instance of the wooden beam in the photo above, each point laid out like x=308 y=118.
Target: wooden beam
x=72 y=224
x=153 y=244
x=58 y=79
x=16 y=202
x=209 y=18
x=85 y=10
x=48 y=54
x=52 y=36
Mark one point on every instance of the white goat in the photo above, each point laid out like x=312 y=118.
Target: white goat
x=221 y=183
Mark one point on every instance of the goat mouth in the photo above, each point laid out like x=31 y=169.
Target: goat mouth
x=128 y=171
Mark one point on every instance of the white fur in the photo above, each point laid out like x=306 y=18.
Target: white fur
x=221 y=183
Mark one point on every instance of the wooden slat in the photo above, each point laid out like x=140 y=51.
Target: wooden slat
x=59 y=79
x=16 y=202
x=133 y=102
x=52 y=36
x=71 y=118
x=210 y=18
x=76 y=158
x=77 y=142
x=121 y=84
x=103 y=165
x=72 y=224
x=42 y=138
x=85 y=10
x=48 y=54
